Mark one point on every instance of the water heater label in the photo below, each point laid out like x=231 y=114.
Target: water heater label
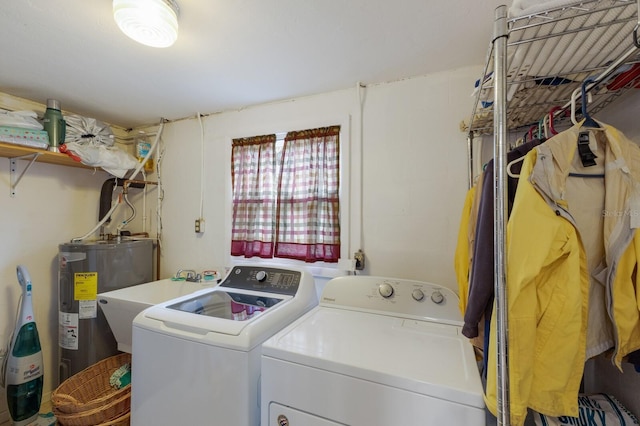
x=88 y=309
x=85 y=286
x=68 y=330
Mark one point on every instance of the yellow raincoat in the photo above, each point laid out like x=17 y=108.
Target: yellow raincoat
x=548 y=277
x=464 y=249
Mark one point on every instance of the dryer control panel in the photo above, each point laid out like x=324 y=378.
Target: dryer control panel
x=392 y=296
x=268 y=280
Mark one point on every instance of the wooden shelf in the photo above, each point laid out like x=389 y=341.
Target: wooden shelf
x=10 y=150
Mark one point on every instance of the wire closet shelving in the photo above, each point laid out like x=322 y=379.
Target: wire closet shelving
x=550 y=53
x=536 y=63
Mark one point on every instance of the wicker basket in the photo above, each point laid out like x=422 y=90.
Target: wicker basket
x=124 y=420
x=97 y=416
x=88 y=399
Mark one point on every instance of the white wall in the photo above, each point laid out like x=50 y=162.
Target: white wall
x=414 y=173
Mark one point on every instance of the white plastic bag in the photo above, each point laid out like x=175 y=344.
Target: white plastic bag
x=112 y=159
x=595 y=410
x=22 y=119
x=85 y=130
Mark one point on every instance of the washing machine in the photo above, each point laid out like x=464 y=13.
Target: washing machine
x=196 y=358
x=377 y=352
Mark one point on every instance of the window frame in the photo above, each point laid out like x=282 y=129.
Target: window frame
x=323 y=269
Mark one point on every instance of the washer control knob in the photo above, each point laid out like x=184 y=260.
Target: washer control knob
x=437 y=297
x=417 y=294
x=385 y=290
x=261 y=276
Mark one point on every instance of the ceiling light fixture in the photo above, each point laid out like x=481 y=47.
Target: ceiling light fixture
x=150 y=22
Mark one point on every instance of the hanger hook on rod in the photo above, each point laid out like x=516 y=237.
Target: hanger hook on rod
x=588 y=121
x=551 y=118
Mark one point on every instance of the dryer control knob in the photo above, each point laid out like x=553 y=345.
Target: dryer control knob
x=437 y=297
x=417 y=294
x=385 y=290
x=261 y=276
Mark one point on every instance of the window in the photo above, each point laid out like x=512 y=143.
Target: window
x=286 y=202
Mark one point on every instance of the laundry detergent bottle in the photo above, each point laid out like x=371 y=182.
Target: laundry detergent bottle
x=23 y=370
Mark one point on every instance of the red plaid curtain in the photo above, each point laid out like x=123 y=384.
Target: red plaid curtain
x=254 y=198
x=308 y=225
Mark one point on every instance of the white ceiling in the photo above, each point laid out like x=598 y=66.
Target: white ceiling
x=230 y=53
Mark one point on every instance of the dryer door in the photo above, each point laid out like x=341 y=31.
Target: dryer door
x=280 y=415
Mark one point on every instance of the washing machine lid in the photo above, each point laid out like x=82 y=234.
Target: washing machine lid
x=424 y=357
x=227 y=305
x=215 y=310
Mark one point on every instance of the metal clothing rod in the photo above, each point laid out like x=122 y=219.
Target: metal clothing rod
x=500 y=214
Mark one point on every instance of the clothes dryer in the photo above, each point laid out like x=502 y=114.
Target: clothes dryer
x=196 y=359
x=375 y=352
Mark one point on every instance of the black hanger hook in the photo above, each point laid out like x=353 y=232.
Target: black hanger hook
x=589 y=122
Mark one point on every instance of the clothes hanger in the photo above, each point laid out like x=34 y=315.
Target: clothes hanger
x=586 y=155
x=552 y=130
x=574 y=95
x=588 y=121
x=511 y=163
x=533 y=128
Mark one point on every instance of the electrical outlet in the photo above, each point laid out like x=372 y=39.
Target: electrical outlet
x=199 y=226
x=359 y=258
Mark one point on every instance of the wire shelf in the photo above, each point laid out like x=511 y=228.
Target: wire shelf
x=551 y=52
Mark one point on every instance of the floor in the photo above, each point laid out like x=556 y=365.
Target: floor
x=45 y=407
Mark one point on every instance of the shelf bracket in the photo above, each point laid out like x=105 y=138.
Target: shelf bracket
x=13 y=167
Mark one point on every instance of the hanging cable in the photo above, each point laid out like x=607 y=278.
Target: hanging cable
x=144 y=204
x=102 y=222
x=124 y=223
x=359 y=88
x=202 y=163
x=160 y=195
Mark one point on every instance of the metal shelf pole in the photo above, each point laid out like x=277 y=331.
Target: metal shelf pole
x=500 y=196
